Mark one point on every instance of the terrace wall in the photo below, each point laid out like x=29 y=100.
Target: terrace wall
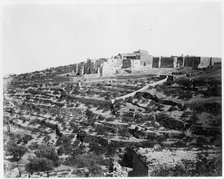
x=91 y=76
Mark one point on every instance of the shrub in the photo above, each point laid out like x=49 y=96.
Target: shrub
x=124 y=132
x=39 y=165
x=47 y=138
x=16 y=150
x=88 y=160
x=64 y=140
x=46 y=151
x=97 y=148
x=101 y=131
x=111 y=149
x=164 y=170
x=60 y=150
x=33 y=146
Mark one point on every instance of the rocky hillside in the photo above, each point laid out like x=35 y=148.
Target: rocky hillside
x=55 y=129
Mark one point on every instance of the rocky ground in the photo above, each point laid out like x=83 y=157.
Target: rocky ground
x=172 y=123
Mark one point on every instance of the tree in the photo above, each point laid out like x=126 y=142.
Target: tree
x=89 y=114
x=39 y=165
x=81 y=135
x=16 y=150
x=76 y=89
x=91 y=161
x=49 y=152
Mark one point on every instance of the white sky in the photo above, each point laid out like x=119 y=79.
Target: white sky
x=36 y=37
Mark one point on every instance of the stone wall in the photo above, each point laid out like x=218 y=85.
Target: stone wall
x=155 y=62
x=191 y=61
x=145 y=59
x=205 y=62
x=216 y=60
x=140 y=169
x=180 y=62
x=126 y=63
x=167 y=62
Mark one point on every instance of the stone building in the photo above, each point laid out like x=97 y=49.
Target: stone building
x=126 y=63
x=216 y=60
x=89 y=67
x=205 y=62
x=145 y=58
x=111 y=66
x=191 y=61
x=80 y=68
x=156 y=62
x=136 y=59
x=166 y=62
x=180 y=62
x=140 y=169
x=98 y=64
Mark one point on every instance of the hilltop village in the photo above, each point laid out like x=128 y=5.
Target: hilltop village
x=136 y=61
x=130 y=115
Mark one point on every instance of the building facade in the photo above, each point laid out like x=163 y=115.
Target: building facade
x=139 y=59
x=111 y=67
x=205 y=62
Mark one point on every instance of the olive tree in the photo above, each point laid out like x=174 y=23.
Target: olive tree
x=48 y=152
x=17 y=151
x=39 y=165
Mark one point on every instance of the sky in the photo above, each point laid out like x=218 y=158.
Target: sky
x=39 y=36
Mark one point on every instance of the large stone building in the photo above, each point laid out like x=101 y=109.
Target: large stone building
x=216 y=60
x=205 y=62
x=191 y=61
x=145 y=58
x=136 y=59
x=167 y=62
x=184 y=61
x=89 y=67
x=98 y=64
x=180 y=61
x=80 y=68
x=111 y=66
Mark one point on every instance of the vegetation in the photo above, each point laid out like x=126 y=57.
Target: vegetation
x=48 y=152
x=90 y=161
x=202 y=167
x=39 y=165
x=16 y=150
x=45 y=116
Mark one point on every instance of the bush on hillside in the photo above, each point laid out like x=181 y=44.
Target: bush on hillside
x=39 y=165
x=49 y=152
x=17 y=151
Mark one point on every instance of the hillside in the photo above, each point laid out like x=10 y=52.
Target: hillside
x=170 y=121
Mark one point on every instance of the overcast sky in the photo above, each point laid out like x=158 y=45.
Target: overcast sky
x=36 y=37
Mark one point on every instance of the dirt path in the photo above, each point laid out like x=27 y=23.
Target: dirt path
x=140 y=90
